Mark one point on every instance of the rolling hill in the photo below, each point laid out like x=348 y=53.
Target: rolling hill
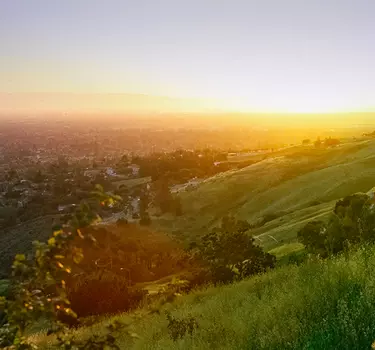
x=322 y=304
x=285 y=190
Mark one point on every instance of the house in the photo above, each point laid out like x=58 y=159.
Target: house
x=134 y=168
x=92 y=173
x=110 y=172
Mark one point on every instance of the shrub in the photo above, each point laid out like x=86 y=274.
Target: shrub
x=231 y=253
x=177 y=328
x=313 y=237
x=4 y=288
x=39 y=287
x=352 y=222
x=102 y=293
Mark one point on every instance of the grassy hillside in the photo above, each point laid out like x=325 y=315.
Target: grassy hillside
x=320 y=305
x=293 y=187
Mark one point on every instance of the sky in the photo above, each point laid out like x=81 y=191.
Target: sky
x=242 y=55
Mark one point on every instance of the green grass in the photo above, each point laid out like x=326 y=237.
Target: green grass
x=319 y=305
x=287 y=249
x=300 y=184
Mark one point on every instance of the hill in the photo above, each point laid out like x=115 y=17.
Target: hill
x=319 y=305
x=278 y=194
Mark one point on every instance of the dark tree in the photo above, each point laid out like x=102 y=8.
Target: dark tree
x=163 y=197
x=306 y=142
x=318 y=143
x=313 y=237
x=352 y=222
x=231 y=253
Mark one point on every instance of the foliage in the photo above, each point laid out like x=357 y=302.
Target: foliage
x=163 y=196
x=4 y=288
x=122 y=257
x=319 y=305
x=178 y=328
x=164 y=199
x=313 y=237
x=330 y=142
x=231 y=253
x=306 y=142
x=181 y=165
x=352 y=222
x=318 y=142
x=39 y=284
x=103 y=292
x=95 y=342
x=144 y=202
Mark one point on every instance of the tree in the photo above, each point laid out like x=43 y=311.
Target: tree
x=124 y=159
x=163 y=197
x=351 y=222
x=144 y=202
x=230 y=252
x=306 y=142
x=330 y=142
x=313 y=237
x=39 y=290
x=318 y=142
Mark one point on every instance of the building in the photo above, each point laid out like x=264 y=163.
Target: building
x=135 y=169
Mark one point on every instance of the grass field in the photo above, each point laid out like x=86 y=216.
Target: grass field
x=296 y=186
x=319 y=305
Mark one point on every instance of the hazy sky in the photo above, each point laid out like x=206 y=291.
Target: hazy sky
x=263 y=55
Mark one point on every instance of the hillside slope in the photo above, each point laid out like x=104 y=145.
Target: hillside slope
x=319 y=305
x=291 y=189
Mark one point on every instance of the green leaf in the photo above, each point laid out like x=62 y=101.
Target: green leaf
x=20 y=257
x=59 y=232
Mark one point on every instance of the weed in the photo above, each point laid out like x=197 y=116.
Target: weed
x=178 y=328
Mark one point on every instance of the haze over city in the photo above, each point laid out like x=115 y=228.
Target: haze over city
x=274 y=57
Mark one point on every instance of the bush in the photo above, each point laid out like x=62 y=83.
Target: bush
x=177 y=328
x=231 y=254
x=102 y=293
x=4 y=288
x=313 y=237
x=352 y=222
x=39 y=287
